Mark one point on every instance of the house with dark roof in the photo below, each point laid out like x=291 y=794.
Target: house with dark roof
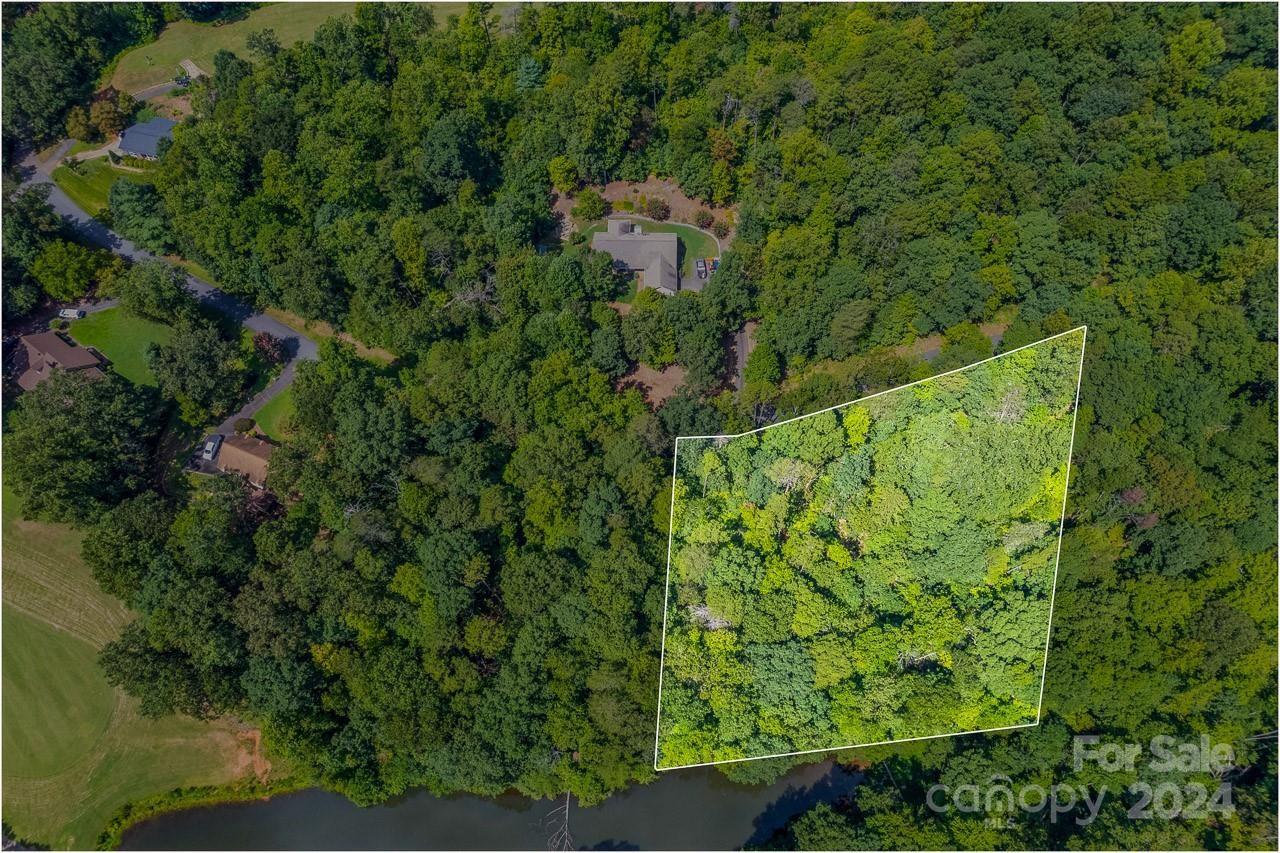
x=246 y=455
x=143 y=140
x=43 y=353
x=654 y=256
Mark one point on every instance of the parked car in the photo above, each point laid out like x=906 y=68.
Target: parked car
x=211 y=446
x=71 y=314
x=701 y=265
x=715 y=264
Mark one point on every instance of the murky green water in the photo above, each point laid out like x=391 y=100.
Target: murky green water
x=686 y=809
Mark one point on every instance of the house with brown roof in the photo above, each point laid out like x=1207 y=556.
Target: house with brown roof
x=246 y=455
x=45 y=352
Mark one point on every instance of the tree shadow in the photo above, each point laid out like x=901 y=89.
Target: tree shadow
x=836 y=783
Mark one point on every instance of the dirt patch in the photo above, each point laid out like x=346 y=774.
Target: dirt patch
x=176 y=107
x=928 y=348
x=925 y=349
x=738 y=350
x=248 y=756
x=623 y=308
x=683 y=208
x=656 y=385
x=193 y=70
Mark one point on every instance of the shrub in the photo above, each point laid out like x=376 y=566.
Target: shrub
x=703 y=219
x=656 y=208
x=269 y=347
x=243 y=425
x=590 y=206
x=720 y=229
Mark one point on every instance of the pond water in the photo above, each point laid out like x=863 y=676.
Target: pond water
x=684 y=809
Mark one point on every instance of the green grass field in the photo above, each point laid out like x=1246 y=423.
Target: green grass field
x=123 y=339
x=75 y=749
x=89 y=187
x=271 y=417
x=157 y=62
x=694 y=244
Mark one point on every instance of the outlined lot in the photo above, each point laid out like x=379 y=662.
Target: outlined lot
x=879 y=571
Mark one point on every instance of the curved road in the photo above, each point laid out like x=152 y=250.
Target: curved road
x=95 y=233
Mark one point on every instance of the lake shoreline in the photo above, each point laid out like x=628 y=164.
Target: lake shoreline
x=698 y=809
x=137 y=812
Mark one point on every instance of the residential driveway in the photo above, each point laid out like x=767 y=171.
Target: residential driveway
x=95 y=233
x=154 y=91
x=112 y=146
x=193 y=70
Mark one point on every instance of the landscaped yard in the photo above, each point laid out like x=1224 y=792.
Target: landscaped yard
x=694 y=244
x=122 y=338
x=271 y=417
x=76 y=749
x=89 y=186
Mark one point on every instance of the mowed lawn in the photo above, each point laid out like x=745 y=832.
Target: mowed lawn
x=271 y=417
x=122 y=338
x=694 y=244
x=89 y=186
x=76 y=749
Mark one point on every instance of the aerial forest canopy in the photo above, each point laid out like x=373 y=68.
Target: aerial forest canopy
x=874 y=572
x=463 y=586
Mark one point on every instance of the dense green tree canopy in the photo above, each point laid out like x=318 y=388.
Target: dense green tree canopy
x=77 y=445
x=877 y=572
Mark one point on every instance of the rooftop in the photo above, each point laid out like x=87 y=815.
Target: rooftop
x=143 y=140
x=655 y=255
x=46 y=351
x=247 y=455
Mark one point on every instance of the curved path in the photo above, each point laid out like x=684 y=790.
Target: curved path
x=95 y=233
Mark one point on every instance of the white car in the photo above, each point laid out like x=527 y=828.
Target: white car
x=71 y=314
x=211 y=446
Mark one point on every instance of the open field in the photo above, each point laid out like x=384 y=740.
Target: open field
x=271 y=417
x=157 y=62
x=693 y=243
x=75 y=749
x=89 y=187
x=123 y=339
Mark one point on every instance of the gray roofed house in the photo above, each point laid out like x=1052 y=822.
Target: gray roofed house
x=654 y=255
x=143 y=140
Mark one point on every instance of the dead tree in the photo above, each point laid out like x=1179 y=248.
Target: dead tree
x=558 y=823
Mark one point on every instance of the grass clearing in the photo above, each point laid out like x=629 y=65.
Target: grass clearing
x=157 y=62
x=122 y=338
x=89 y=186
x=318 y=330
x=694 y=244
x=76 y=749
x=271 y=417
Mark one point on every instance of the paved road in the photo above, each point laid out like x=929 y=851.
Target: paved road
x=154 y=91
x=94 y=232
